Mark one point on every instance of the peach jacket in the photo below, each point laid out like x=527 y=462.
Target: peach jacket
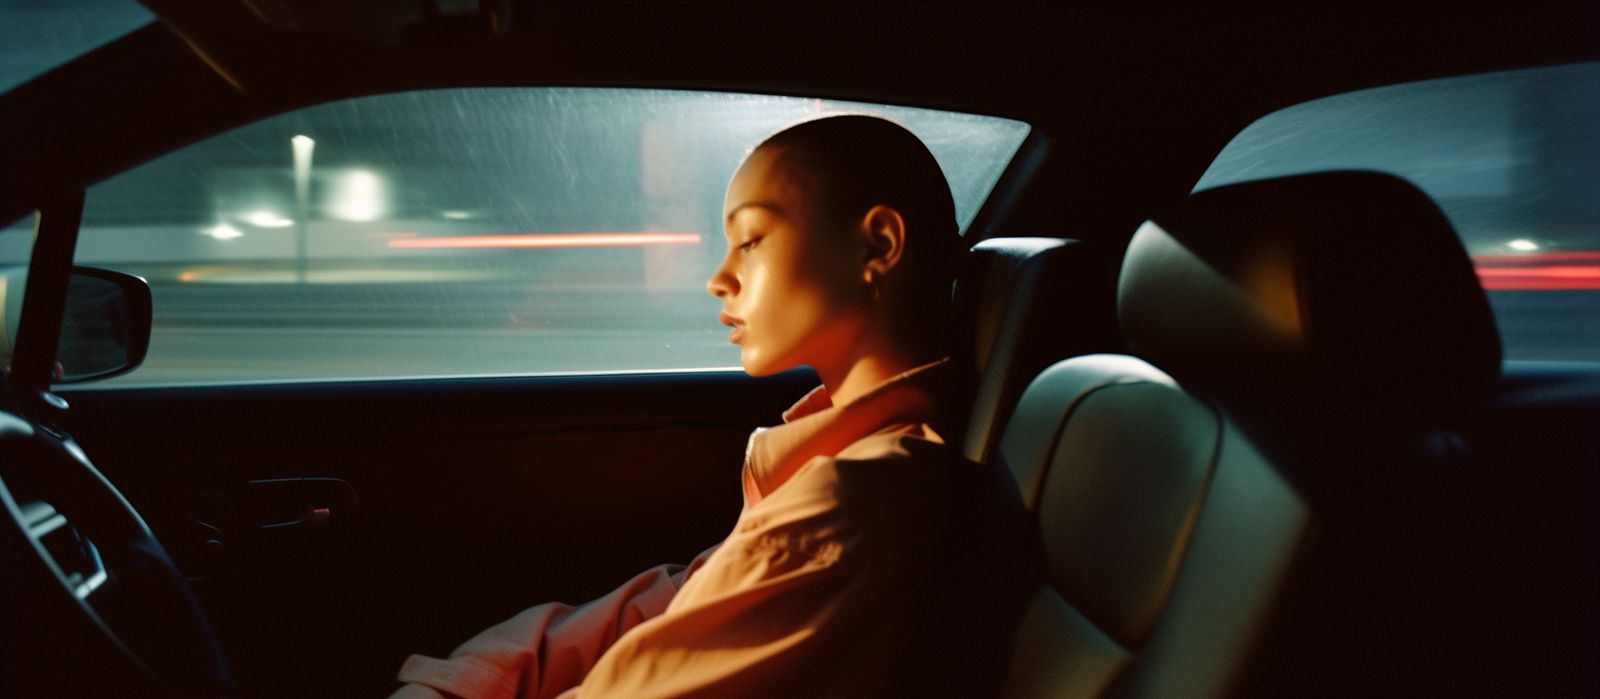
x=830 y=584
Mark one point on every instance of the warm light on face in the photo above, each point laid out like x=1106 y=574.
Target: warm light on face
x=793 y=292
x=360 y=195
x=267 y=219
x=223 y=231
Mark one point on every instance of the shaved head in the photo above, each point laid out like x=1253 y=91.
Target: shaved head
x=847 y=164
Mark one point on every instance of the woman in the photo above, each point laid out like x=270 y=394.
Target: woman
x=869 y=558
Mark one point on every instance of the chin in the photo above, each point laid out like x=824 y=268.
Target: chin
x=755 y=368
x=756 y=365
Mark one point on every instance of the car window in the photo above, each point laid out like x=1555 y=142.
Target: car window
x=461 y=232
x=16 y=241
x=16 y=247
x=1512 y=158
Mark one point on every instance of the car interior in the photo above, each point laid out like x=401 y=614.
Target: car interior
x=1281 y=431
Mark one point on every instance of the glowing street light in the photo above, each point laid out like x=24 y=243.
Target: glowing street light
x=302 y=145
x=223 y=231
x=267 y=219
x=359 y=195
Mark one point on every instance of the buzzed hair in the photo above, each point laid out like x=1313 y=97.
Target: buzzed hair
x=849 y=163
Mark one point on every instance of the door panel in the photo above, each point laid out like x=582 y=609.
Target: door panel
x=1527 y=561
x=470 y=500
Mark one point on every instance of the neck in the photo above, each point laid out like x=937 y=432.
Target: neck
x=851 y=379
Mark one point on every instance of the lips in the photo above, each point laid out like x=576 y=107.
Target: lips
x=734 y=322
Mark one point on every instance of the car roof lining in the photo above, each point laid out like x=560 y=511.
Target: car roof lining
x=1105 y=88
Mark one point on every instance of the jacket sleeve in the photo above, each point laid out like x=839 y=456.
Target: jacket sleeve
x=755 y=641
x=546 y=649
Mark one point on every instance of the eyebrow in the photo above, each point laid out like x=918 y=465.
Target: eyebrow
x=769 y=206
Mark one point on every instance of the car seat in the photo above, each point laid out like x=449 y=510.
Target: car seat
x=1020 y=305
x=1251 y=504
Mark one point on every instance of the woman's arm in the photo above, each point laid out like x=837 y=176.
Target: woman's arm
x=545 y=649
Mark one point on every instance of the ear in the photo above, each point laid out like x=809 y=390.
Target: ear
x=884 y=230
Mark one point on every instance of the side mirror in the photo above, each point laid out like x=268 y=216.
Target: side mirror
x=105 y=329
x=105 y=325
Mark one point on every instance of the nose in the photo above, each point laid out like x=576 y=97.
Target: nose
x=722 y=283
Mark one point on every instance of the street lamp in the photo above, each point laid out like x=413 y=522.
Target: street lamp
x=302 y=146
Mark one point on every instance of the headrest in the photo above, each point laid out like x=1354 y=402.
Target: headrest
x=1352 y=284
x=1021 y=304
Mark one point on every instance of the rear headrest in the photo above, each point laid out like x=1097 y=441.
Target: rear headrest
x=1021 y=304
x=1350 y=283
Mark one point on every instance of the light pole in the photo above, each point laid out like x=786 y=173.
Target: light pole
x=302 y=146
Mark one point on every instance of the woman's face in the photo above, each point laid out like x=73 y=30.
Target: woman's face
x=791 y=291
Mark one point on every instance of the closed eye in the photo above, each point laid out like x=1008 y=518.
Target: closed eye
x=748 y=245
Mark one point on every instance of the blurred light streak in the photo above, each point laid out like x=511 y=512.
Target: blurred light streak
x=268 y=219
x=1569 y=256
x=223 y=231
x=548 y=240
x=1566 y=277
x=1541 y=271
x=1559 y=272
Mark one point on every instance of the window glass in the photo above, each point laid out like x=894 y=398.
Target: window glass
x=461 y=232
x=16 y=249
x=1512 y=158
x=16 y=242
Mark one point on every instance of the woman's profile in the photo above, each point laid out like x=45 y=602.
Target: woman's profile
x=869 y=559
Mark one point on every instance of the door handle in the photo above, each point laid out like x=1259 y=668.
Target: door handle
x=299 y=503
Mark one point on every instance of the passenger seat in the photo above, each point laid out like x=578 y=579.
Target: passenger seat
x=1258 y=502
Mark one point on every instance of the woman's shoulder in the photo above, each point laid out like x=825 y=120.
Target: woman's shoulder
x=896 y=442
x=899 y=462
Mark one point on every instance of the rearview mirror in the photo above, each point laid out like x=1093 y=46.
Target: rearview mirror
x=105 y=326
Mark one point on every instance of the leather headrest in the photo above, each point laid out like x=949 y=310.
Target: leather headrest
x=1021 y=304
x=1351 y=284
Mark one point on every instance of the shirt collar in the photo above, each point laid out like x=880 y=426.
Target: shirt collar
x=814 y=426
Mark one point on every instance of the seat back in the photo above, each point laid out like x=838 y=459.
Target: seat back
x=1217 y=514
x=1137 y=485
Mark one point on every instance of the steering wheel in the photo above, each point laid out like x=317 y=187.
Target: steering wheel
x=85 y=581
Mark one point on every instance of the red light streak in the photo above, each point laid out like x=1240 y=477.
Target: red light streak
x=1541 y=285
x=1540 y=271
x=1563 y=272
x=1569 y=256
x=1567 y=277
x=547 y=240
